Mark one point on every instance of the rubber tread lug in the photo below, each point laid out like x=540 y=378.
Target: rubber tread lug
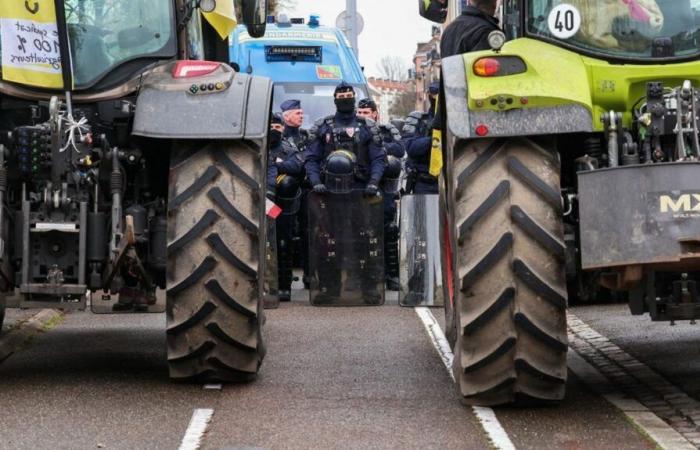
x=524 y=366
x=219 y=333
x=200 y=183
x=538 y=286
x=217 y=363
x=197 y=274
x=480 y=160
x=194 y=319
x=527 y=325
x=492 y=257
x=528 y=177
x=502 y=349
x=539 y=234
x=503 y=300
x=236 y=171
x=217 y=291
x=218 y=197
x=215 y=241
x=501 y=190
x=196 y=353
x=205 y=222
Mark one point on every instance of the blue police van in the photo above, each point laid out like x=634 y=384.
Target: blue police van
x=304 y=60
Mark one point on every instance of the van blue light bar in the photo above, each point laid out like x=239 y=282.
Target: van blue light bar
x=280 y=53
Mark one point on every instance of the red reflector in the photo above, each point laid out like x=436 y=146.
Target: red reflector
x=487 y=67
x=189 y=69
x=482 y=130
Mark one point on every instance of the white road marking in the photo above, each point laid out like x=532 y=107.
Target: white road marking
x=213 y=387
x=486 y=416
x=196 y=429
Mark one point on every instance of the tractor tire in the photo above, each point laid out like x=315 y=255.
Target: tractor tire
x=509 y=278
x=216 y=235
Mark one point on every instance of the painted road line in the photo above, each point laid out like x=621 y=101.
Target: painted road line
x=213 y=387
x=635 y=384
x=196 y=429
x=25 y=331
x=661 y=432
x=486 y=416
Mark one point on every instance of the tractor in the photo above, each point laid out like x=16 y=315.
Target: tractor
x=569 y=163
x=131 y=171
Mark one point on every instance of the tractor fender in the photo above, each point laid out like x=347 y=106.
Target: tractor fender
x=222 y=104
x=568 y=116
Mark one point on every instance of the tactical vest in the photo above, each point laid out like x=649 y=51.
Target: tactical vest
x=348 y=138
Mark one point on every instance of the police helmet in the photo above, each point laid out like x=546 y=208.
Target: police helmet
x=367 y=103
x=392 y=175
x=288 y=194
x=340 y=168
x=343 y=87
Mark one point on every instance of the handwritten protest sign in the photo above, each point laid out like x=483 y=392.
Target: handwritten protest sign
x=29 y=40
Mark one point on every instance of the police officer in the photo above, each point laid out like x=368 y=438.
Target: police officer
x=391 y=138
x=339 y=143
x=285 y=169
x=470 y=31
x=418 y=142
x=294 y=134
x=345 y=130
x=293 y=116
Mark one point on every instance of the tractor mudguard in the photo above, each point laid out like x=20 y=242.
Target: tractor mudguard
x=210 y=106
x=518 y=121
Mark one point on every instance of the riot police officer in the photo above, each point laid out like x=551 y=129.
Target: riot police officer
x=346 y=131
x=391 y=138
x=345 y=154
x=418 y=142
x=293 y=116
x=285 y=169
x=294 y=134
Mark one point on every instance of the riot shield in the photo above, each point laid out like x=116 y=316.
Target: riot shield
x=270 y=284
x=420 y=272
x=346 y=245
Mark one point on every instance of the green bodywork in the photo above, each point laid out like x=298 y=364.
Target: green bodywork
x=556 y=76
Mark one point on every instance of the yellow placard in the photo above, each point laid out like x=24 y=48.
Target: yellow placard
x=223 y=18
x=436 y=154
x=29 y=38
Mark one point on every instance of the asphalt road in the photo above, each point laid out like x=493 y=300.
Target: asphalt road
x=333 y=378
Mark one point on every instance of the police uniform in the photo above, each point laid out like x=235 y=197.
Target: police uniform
x=285 y=172
x=360 y=139
x=418 y=143
x=299 y=137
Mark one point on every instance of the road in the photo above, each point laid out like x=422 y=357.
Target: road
x=332 y=378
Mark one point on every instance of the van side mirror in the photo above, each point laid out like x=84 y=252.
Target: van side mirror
x=254 y=14
x=433 y=10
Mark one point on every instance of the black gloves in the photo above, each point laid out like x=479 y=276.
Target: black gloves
x=320 y=188
x=270 y=195
x=371 y=190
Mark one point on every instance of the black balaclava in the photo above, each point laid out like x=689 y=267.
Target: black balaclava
x=275 y=137
x=344 y=105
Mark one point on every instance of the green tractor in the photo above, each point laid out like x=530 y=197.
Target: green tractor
x=132 y=162
x=571 y=168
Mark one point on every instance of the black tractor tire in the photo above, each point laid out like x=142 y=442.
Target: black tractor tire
x=215 y=245
x=509 y=280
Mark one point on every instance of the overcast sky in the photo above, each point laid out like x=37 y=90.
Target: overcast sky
x=392 y=27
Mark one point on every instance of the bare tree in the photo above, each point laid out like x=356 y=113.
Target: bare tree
x=403 y=104
x=393 y=68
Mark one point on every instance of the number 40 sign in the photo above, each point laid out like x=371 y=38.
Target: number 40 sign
x=564 y=21
x=29 y=39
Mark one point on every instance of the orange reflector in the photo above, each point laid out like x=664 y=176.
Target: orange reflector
x=487 y=67
x=482 y=130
